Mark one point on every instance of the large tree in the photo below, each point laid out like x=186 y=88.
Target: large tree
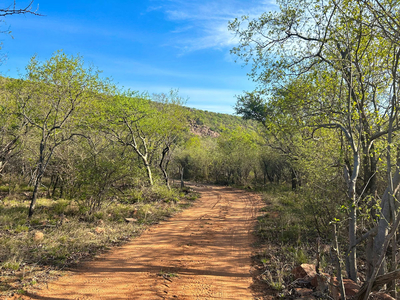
x=52 y=99
x=172 y=124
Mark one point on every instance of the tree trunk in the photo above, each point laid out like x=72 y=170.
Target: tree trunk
x=351 y=259
x=351 y=266
x=338 y=266
x=32 y=206
x=294 y=180
x=385 y=218
x=383 y=224
x=39 y=174
x=148 y=170
x=163 y=170
x=388 y=207
x=393 y=285
x=372 y=186
x=369 y=257
x=181 y=170
x=379 y=281
x=149 y=173
x=144 y=156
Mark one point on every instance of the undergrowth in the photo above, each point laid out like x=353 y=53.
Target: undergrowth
x=288 y=232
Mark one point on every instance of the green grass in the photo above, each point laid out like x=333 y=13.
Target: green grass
x=295 y=223
x=287 y=237
x=167 y=274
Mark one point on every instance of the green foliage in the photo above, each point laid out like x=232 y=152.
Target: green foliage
x=327 y=97
x=299 y=255
x=98 y=178
x=11 y=265
x=230 y=158
x=21 y=228
x=60 y=206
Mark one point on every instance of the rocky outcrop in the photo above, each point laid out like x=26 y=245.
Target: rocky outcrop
x=304 y=270
x=350 y=287
x=312 y=285
x=202 y=130
x=303 y=287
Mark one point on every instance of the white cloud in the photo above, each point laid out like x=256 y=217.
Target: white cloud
x=153 y=8
x=218 y=37
x=206 y=22
x=182 y=29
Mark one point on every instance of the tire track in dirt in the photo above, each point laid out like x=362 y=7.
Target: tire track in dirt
x=202 y=253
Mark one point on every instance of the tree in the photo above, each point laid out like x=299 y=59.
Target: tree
x=236 y=155
x=192 y=158
x=51 y=99
x=147 y=126
x=130 y=119
x=348 y=68
x=100 y=170
x=12 y=128
x=172 y=124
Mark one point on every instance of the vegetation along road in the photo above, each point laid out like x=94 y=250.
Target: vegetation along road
x=201 y=253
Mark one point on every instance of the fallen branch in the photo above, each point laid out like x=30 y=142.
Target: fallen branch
x=379 y=281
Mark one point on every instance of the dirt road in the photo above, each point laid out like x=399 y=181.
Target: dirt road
x=202 y=253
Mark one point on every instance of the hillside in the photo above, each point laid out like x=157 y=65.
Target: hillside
x=206 y=123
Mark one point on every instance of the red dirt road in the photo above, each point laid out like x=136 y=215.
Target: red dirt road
x=202 y=253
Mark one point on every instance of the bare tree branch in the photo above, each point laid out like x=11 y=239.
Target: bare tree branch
x=13 y=10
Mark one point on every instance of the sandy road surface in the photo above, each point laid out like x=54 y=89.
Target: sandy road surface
x=202 y=253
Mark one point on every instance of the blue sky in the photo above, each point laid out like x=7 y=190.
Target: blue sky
x=149 y=45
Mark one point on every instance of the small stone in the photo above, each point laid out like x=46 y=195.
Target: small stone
x=351 y=288
x=320 y=282
x=130 y=220
x=303 y=292
x=38 y=236
x=304 y=270
x=100 y=230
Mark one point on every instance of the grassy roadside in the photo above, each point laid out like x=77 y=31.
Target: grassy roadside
x=287 y=237
x=62 y=232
